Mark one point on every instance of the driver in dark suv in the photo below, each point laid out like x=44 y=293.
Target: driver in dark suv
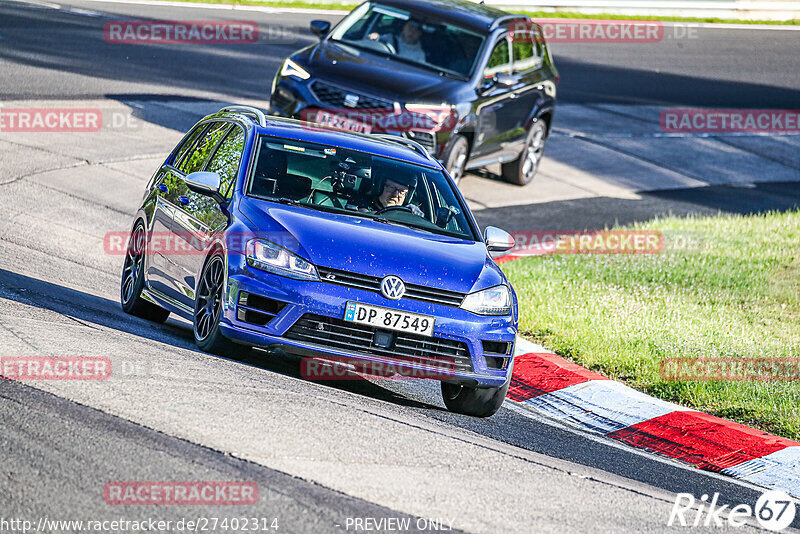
x=408 y=44
x=474 y=85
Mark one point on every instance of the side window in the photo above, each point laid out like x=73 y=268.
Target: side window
x=226 y=160
x=527 y=53
x=187 y=145
x=500 y=60
x=196 y=159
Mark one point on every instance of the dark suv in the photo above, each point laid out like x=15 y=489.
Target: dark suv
x=472 y=84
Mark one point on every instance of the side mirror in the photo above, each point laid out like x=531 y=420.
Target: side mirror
x=505 y=80
x=205 y=183
x=502 y=81
x=320 y=28
x=497 y=240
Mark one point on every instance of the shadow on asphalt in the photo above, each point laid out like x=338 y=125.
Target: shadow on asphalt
x=98 y=310
x=605 y=212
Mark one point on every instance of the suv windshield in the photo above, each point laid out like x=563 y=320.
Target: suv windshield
x=400 y=34
x=351 y=182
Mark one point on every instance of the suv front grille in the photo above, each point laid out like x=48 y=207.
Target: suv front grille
x=408 y=348
x=334 y=97
x=373 y=283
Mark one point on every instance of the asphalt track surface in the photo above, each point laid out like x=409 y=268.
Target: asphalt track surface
x=320 y=453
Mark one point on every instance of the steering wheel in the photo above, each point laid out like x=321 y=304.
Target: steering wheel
x=394 y=208
x=378 y=44
x=389 y=47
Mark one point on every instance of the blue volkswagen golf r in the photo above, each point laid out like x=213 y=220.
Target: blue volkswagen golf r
x=333 y=246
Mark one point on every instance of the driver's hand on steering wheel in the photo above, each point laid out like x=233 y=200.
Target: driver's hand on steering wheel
x=374 y=36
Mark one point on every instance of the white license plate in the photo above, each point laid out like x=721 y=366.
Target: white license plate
x=387 y=319
x=343 y=123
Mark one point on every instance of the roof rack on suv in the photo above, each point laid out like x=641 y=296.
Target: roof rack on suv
x=406 y=142
x=247 y=110
x=506 y=18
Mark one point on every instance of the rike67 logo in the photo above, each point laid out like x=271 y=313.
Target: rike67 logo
x=774 y=510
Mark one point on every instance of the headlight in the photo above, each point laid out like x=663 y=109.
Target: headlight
x=493 y=301
x=290 y=68
x=277 y=260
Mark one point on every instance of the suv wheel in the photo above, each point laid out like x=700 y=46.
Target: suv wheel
x=455 y=159
x=523 y=169
x=133 y=280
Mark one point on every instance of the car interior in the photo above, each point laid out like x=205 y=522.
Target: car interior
x=446 y=46
x=344 y=180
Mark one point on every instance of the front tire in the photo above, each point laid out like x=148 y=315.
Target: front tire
x=208 y=308
x=522 y=170
x=455 y=159
x=476 y=402
x=133 y=280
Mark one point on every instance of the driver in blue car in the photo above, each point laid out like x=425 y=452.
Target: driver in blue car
x=395 y=192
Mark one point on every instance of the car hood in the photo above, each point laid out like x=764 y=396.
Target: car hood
x=376 y=75
x=372 y=248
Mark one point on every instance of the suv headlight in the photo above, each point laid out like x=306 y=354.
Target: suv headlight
x=493 y=301
x=290 y=68
x=270 y=257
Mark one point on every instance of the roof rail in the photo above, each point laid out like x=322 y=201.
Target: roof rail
x=247 y=110
x=506 y=18
x=413 y=145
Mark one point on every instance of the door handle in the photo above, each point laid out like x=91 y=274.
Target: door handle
x=163 y=188
x=184 y=200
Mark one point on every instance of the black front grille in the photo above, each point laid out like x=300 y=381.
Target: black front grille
x=335 y=97
x=373 y=283
x=355 y=338
x=426 y=139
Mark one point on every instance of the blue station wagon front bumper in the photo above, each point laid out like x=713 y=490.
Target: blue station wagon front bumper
x=306 y=318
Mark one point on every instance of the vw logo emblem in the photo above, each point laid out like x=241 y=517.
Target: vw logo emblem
x=393 y=288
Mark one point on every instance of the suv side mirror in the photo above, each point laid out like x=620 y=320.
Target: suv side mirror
x=498 y=240
x=320 y=28
x=505 y=80
x=501 y=80
x=205 y=183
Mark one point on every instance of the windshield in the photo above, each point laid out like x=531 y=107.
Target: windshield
x=355 y=183
x=393 y=32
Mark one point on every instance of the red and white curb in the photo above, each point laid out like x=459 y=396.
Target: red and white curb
x=547 y=384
